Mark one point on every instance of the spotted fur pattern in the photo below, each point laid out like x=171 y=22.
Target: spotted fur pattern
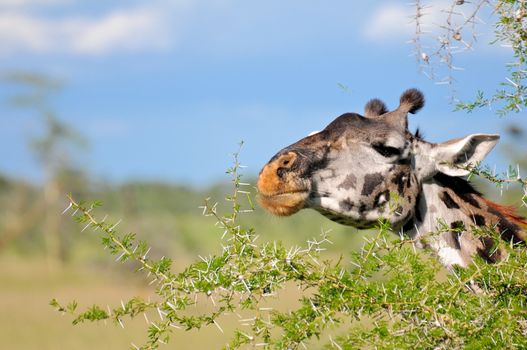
x=360 y=169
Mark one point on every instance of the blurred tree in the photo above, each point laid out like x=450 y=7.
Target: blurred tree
x=52 y=149
x=20 y=211
x=515 y=148
x=515 y=151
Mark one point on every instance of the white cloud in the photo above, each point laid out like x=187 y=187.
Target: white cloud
x=131 y=30
x=388 y=22
x=125 y=29
x=20 y=3
x=22 y=32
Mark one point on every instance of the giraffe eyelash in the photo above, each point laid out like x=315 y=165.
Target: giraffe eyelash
x=386 y=151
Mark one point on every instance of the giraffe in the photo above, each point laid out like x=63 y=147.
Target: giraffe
x=360 y=169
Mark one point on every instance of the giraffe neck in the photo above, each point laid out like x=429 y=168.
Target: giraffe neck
x=448 y=212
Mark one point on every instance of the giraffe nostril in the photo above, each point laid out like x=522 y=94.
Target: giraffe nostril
x=287 y=160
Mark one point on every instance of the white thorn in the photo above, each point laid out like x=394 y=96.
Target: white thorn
x=115 y=225
x=68 y=208
x=217 y=325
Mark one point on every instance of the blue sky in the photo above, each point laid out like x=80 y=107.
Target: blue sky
x=166 y=89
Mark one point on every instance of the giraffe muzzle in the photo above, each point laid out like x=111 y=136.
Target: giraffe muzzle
x=280 y=192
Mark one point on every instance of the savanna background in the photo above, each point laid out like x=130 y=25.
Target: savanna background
x=141 y=105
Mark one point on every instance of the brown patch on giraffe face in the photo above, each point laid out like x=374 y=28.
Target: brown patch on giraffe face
x=346 y=205
x=349 y=182
x=371 y=182
x=362 y=206
x=280 y=192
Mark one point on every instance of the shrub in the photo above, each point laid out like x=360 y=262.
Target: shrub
x=389 y=295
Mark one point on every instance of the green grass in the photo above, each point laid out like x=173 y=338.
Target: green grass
x=27 y=321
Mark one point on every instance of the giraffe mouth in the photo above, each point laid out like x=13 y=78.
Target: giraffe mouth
x=283 y=203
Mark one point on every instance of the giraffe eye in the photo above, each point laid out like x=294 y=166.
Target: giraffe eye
x=386 y=151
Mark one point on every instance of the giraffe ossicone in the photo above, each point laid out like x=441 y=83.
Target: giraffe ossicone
x=360 y=169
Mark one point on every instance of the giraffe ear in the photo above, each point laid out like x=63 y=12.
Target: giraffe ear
x=453 y=156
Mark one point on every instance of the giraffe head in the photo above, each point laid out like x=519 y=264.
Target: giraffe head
x=362 y=168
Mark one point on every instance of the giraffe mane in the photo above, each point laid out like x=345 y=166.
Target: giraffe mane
x=508 y=211
x=510 y=215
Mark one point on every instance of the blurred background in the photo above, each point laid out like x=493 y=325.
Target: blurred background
x=141 y=105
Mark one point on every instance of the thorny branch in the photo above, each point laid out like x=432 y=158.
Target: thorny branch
x=511 y=177
x=387 y=282
x=457 y=32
